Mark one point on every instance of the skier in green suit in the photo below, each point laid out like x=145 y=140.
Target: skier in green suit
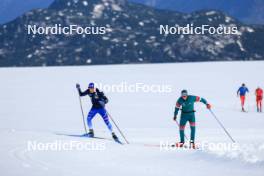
x=186 y=103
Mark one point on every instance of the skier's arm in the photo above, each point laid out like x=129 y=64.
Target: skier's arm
x=83 y=93
x=202 y=100
x=106 y=100
x=102 y=96
x=177 y=108
x=80 y=92
x=247 y=90
x=238 y=92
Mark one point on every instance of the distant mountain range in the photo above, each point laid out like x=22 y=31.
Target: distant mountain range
x=247 y=11
x=132 y=36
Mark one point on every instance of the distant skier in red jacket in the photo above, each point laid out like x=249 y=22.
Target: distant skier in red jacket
x=259 y=97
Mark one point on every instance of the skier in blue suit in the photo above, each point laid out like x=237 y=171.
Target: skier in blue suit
x=241 y=92
x=98 y=100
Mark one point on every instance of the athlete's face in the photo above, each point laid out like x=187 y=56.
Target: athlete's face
x=91 y=90
x=184 y=97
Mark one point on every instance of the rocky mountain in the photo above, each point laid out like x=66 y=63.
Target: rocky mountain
x=132 y=36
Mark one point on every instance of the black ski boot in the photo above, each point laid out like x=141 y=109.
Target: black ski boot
x=91 y=133
x=192 y=145
x=114 y=136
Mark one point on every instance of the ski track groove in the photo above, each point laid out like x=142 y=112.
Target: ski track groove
x=22 y=155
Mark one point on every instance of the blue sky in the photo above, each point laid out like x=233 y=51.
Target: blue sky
x=249 y=11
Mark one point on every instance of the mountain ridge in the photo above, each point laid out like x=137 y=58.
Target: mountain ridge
x=133 y=36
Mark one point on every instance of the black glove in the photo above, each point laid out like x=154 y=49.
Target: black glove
x=102 y=103
x=175 y=118
x=78 y=86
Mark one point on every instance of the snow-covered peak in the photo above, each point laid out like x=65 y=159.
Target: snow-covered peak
x=84 y=3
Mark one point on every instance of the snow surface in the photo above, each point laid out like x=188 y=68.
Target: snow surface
x=41 y=104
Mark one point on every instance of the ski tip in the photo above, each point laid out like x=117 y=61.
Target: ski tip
x=118 y=141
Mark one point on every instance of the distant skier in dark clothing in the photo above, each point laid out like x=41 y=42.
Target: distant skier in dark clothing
x=98 y=100
x=241 y=92
x=186 y=104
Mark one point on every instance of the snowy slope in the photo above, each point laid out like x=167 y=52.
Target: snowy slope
x=41 y=104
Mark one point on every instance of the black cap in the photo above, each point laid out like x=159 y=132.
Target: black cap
x=184 y=93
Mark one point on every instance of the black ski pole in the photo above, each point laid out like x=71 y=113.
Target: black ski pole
x=83 y=115
x=228 y=134
x=186 y=138
x=117 y=127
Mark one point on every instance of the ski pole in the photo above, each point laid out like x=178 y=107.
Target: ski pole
x=228 y=134
x=117 y=127
x=186 y=138
x=83 y=115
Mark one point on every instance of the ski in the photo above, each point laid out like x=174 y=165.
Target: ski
x=92 y=137
x=95 y=137
x=175 y=146
x=170 y=146
x=82 y=135
x=185 y=147
x=118 y=141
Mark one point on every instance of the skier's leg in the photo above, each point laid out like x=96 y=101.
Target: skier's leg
x=90 y=117
x=183 y=122
x=242 y=99
x=105 y=117
x=260 y=105
x=192 y=126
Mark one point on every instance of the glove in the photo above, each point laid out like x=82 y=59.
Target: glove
x=78 y=86
x=102 y=103
x=208 y=106
x=175 y=118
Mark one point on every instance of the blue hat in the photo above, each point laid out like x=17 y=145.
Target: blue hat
x=91 y=85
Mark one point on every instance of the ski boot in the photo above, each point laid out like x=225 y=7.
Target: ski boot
x=178 y=144
x=114 y=136
x=243 y=110
x=91 y=133
x=192 y=145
